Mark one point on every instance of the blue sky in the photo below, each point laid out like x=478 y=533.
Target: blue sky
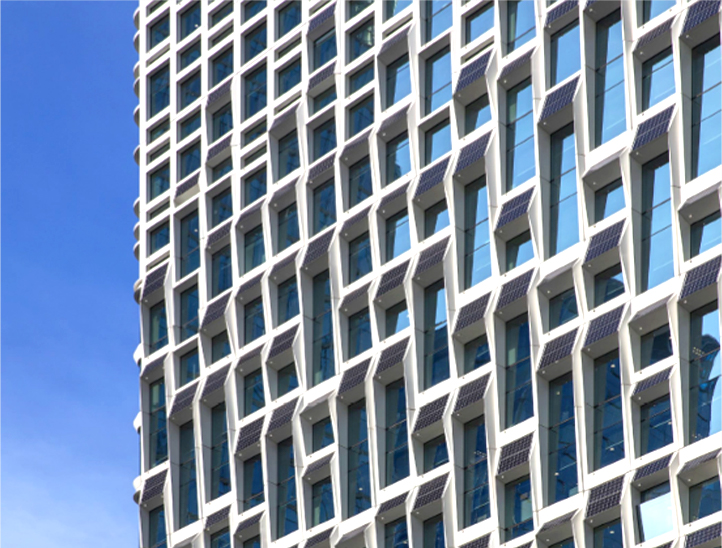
x=69 y=322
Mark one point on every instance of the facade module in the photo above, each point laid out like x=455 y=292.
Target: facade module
x=429 y=274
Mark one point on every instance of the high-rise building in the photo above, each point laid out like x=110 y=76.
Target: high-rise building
x=429 y=274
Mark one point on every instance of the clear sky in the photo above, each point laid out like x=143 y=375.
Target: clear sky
x=69 y=322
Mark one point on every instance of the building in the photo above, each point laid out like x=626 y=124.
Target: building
x=429 y=274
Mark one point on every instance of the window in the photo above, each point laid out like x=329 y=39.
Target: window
x=287 y=300
x=705 y=499
x=323 y=99
x=190 y=54
x=221 y=539
x=159 y=181
x=520 y=23
x=398 y=80
x=398 y=158
x=476 y=114
x=479 y=22
x=190 y=256
x=655 y=514
x=609 y=535
x=476 y=353
x=649 y=9
x=436 y=339
x=396 y=533
x=190 y=90
x=220 y=347
x=609 y=102
x=562 y=440
x=190 y=20
x=158 y=437
x=323 y=363
x=222 y=121
x=657 y=78
x=253 y=398
x=187 y=484
x=254 y=253
x=324 y=49
x=254 y=326
x=656 y=425
x=706 y=109
x=657 y=259
x=254 y=42
x=437 y=142
x=321 y=502
x=656 y=346
x=159 y=130
x=222 y=66
x=705 y=234
x=254 y=187
x=357 y=6
x=562 y=308
x=221 y=207
x=159 y=238
x=159 y=85
x=361 y=115
x=360 y=78
x=321 y=434
x=221 y=13
x=359 y=475
x=287 y=379
x=705 y=392
x=221 y=269
x=190 y=160
x=287 y=227
x=519 y=134
x=255 y=92
x=563 y=222
x=288 y=156
x=393 y=7
x=289 y=17
x=438 y=79
x=608 y=200
x=189 y=313
x=518 y=502
x=359 y=333
x=397 y=439
x=254 y=542
x=324 y=139
x=254 y=133
x=361 y=40
x=289 y=77
x=158 y=32
x=476 y=473
x=253 y=8
x=397 y=318
x=287 y=513
x=435 y=453
x=359 y=178
x=156 y=528
x=158 y=327
x=436 y=218
x=189 y=125
x=359 y=257
x=438 y=17
x=477 y=255
x=565 y=57
x=190 y=367
x=324 y=206
x=608 y=284
x=519 y=250
x=398 y=236
x=519 y=396
x=608 y=424
x=253 y=493
x=220 y=468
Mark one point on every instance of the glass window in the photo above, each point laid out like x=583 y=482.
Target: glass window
x=359 y=176
x=397 y=318
x=220 y=347
x=359 y=474
x=657 y=257
x=190 y=367
x=254 y=133
x=436 y=340
x=324 y=206
x=225 y=167
x=158 y=437
x=254 y=251
x=253 y=8
x=706 y=107
x=288 y=156
x=159 y=181
x=477 y=254
x=519 y=511
x=220 y=468
x=519 y=250
x=360 y=78
x=361 y=40
x=287 y=379
x=608 y=200
x=323 y=99
x=705 y=392
x=434 y=529
x=222 y=66
x=705 y=499
x=609 y=535
x=160 y=129
x=520 y=166
x=649 y=9
x=287 y=300
x=321 y=502
x=396 y=533
x=608 y=284
x=289 y=77
x=476 y=353
x=159 y=237
x=438 y=17
x=156 y=527
x=359 y=257
x=287 y=227
x=393 y=7
x=189 y=125
x=221 y=267
x=656 y=425
x=324 y=139
x=254 y=187
x=190 y=160
x=158 y=335
x=479 y=22
x=322 y=434
x=190 y=90
x=159 y=84
x=398 y=80
x=397 y=440
x=357 y=6
x=253 y=398
x=657 y=78
x=435 y=453
x=398 y=235
x=656 y=346
x=222 y=13
x=255 y=92
x=359 y=333
x=323 y=363
x=190 y=20
x=437 y=142
x=563 y=196
x=253 y=493
x=655 y=513
x=254 y=542
x=562 y=308
x=361 y=115
x=519 y=397
x=158 y=32
x=520 y=23
x=476 y=114
x=398 y=157
x=254 y=42
x=608 y=425
x=254 y=326
x=189 y=55
x=562 y=440
x=609 y=104
x=287 y=511
x=189 y=313
x=565 y=57
x=476 y=473
x=188 y=487
x=289 y=17
x=705 y=234
x=190 y=255
x=438 y=79
x=221 y=207
x=436 y=218
x=324 y=49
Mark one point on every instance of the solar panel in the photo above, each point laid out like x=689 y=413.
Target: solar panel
x=654 y=380
x=472 y=313
x=653 y=128
x=515 y=454
x=321 y=18
x=351 y=145
x=516 y=64
x=558 y=348
x=218 y=517
x=432 y=176
x=481 y=542
x=652 y=468
x=154 y=280
x=184 y=398
x=393 y=278
x=471 y=393
x=702 y=536
x=219 y=147
x=351 y=297
x=153 y=486
x=284 y=117
x=605 y=496
x=317 y=465
x=282 y=415
x=392 y=355
x=248 y=356
x=186 y=185
x=472 y=71
x=280 y=265
x=215 y=381
x=561 y=520
x=250 y=284
x=657 y=31
x=431 y=413
x=321 y=75
x=321 y=167
x=392 y=503
x=562 y=9
x=431 y=256
x=473 y=152
x=248 y=523
x=699 y=12
x=282 y=342
x=559 y=98
x=354 y=376
x=604 y=326
x=514 y=208
x=392 y=120
x=315 y=540
x=152 y=366
x=431 y=491
x=248 y=212
x=318 y=247
x=604 y=241
x=391 y=196
x=218 y=93
x=514 y=289
x=699 y=461
x=354 y=219
x=250 y=434
x=395 y=39
x=218 y=234
x=700 y=277
x=215 y=309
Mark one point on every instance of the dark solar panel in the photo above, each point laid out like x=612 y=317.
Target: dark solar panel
x=471 y=393
x=604 y=241
x=432 y=176
x=391 y=196
x=321 y=167
x=473 y=152
x=284 y=117
x=392 y=120
x=154 y=280
x=562 y=9
x=558 y=348
x=392 y=355
x=152 y=366
x=218 y=517
x=559 y=98
x=184 y=398
x=248 y=356
x=392 y=503
x=514 y=208
x=702 y=536
x=351 y=145
x=218 y=234
x=317 y=465
x=472 y=313
x=699 y=12
x=282 y=415
x=514 y=289
x=392 y=279
x=219 y=147
x=315 y=540
x=481 y=542
x=431 y=256
x=351 y=297
x=605 y=496
x=215 y=381
x=654 y=380
x=248 y=212
x=219 y=92
x=700 y=277
x=357 y=218
x=472 y=71
x=186 y=185
x=215 y=309
x=561 y=520
x=318 y=247
x=515 y=454
x=603 y=326
x=516 y=64
x=699 y=461
x=431 y=491
x=322 y=17
x=657 y=31
x=395 y=39
x=431 y=413
x=250 y=434
x=321 y=75
x=354 y=376
x=250 y=283
x=652 y=468
x=652 y=129
x=153 y=486
x=282 y=342
x=250 y=522
x=280 y=265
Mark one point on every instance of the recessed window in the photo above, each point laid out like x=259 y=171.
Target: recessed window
x=189 y=125
x=656 y=346
x=706 y=108
x=479 y=22
x=188 y=487
x=220 y=348
x=609 y=535
x=253 y=484
x=289 y=77
x=477 y=255
x=221 y=271
x=287 y=227
x=705 y=234
x=225 y=167
x=657 y=78
x=287 y=379
x=156 y=527
x=190 y=20
x=287 y=503
x=324 y=99
x=436 y=341
x=254 y=187
x=520 y=23
x=562 y=440
x=608 y=200
x=322 y=434
x=360 y=78
x=361 y=115
x=158 y=437
x=359 y=178
x=220 y=467
x=222 y=121
x=323 y=366
x=254 y=42
x=158 y=332
x=655 y=513
x=255 y=92
x=397 y=318
x=608 y=284
x=565 y=60
x=289 y=159
x=437 y=142
x=519 y=396
x=397 y=441
x=608 y=425
x=396 y=534
x=476 y=353
x=254 y=253
x=357 y=6
x=221 y=14
x=289 y=17
x=520 y=166
x=435 y=453
x=190 y=367
x=190 y=160
x=361 y=40
x=657 y=257
x=254 y=325
x=254 y=133
x=359 y=474
x=359 y=257
x=253 y=398
x=158 y=32
x=324 y=206
x=649 y=9
x=398 y=157
x=393 y=7
x=398 y=235
x=705 y=389
x=359 y=333
x=222 y=66
x=476 y=473
x=190 y=90
x=287 y=300
x=656 y=425
x=434 y=530
x=324 y=49
x=438 y=80
x=436 y=218
x=562 y=308
x=519 y=250
x=159 y=181
x=190 y=256
x=159 y=237
x=476 y=114
x=324 y=139
x=610 y=117
x=189 y=55
x=321 y=502
x=438 y=17
x=159 y=84
x=253 y=8
x=159 y=130
x=398 y=80
x=189 y=313
x=705 y=499
x=519 y=509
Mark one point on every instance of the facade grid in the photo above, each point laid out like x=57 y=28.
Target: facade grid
x=429 y=273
